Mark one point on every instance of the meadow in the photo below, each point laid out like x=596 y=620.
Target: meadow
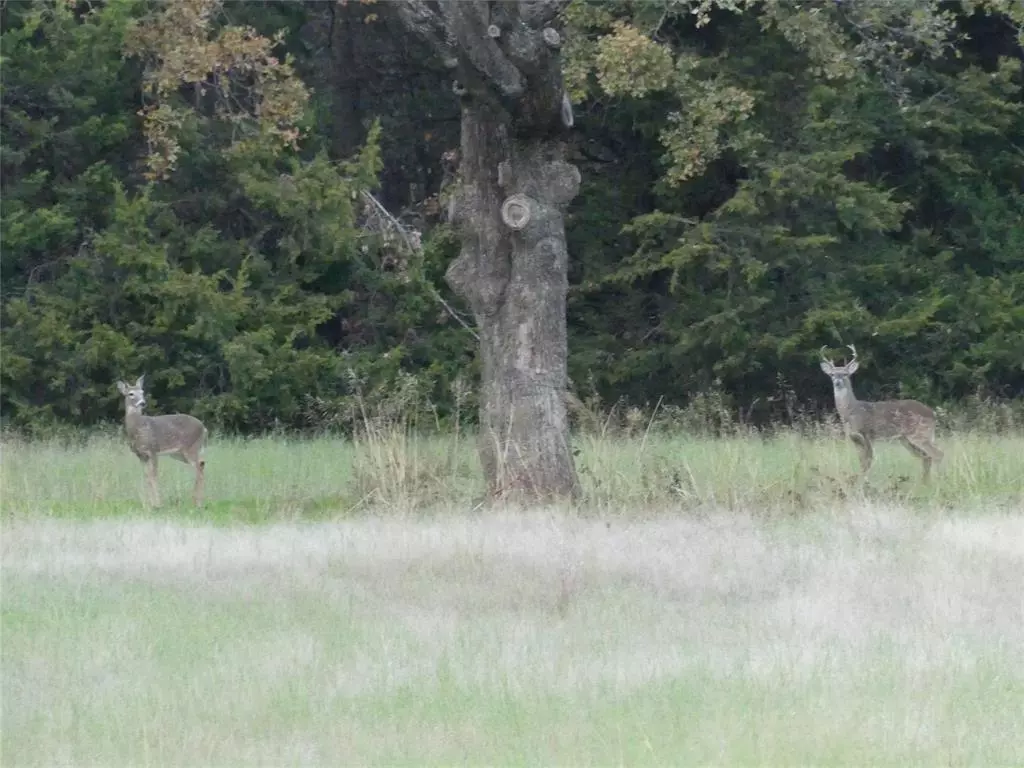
x=738 y=600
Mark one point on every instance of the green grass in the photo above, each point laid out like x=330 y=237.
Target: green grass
x=277 y=479
x=733 y=602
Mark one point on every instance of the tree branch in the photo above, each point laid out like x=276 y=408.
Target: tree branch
x=428 y=25
x=540 y=13
x=467 y=22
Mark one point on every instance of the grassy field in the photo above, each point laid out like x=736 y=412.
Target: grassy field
x=735 y=601
x=265 y=480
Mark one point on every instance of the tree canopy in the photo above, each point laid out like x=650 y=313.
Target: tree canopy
x=190 y=190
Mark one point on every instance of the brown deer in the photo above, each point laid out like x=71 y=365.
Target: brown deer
x=909 y=421
x=178 y=435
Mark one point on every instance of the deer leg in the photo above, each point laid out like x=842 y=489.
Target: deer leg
x=194 y=458
x=154 y=491
x=864 y=451
x=197 y=490
x=927 y=455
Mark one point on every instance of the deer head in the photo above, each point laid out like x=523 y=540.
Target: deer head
x=134 y=396
x=840 y=374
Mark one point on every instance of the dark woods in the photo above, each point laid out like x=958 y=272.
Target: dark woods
x=755 y=184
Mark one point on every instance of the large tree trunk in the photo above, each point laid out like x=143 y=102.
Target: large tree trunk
x=513 y=271
x=514 y=185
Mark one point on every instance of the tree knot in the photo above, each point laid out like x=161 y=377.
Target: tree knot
x=515 y=211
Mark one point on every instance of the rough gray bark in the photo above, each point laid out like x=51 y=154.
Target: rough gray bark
x=513 y=187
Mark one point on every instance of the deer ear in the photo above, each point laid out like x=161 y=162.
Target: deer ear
x=852 y=367
x=138 y=383
x=826 y=367
x=122 y=388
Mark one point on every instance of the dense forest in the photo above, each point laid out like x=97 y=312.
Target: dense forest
x=250 y=206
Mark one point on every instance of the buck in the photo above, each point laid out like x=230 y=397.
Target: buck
x=177 y=435
x=909 y=421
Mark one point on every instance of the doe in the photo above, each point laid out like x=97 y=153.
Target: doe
x=909 y=421
x=178 y=435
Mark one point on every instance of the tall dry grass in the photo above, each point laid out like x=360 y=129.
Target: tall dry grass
x=529 y=638
x=718 y=596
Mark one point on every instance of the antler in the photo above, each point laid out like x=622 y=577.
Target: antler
x=822 y=353
x=854 y=350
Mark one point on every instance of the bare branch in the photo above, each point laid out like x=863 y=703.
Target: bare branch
x=413 y=245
